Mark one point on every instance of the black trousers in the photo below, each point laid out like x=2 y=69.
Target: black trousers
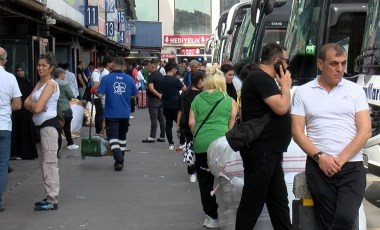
x=98 y=115
x=133 y=105
x=263 y=183
x=170 y=117
x=206 y=185
x=337 y=199
x=156 y=116
x=117 y=129
x=67 y=130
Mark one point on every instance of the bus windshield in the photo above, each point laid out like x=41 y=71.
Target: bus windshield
x=372 y=27
x=371 y=42
x=301 y=39
x=244 y=40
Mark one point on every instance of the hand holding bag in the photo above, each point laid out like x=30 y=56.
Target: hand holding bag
x=242 y=135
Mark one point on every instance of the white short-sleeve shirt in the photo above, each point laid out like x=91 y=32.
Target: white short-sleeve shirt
x=95 y=76
x=8 y=89
x=330 y=117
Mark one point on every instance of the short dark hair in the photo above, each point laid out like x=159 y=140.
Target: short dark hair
x=106 y=60
x=339 y=50
x=197 y=76
x=169 y=66
x=118 y=61
x=66 y=66
x=152 y=62
x=226 y=67
x=271 y=50
x=247 y=69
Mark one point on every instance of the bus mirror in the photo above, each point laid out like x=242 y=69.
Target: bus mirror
x=268 y=6
x=279 y=3
x=258 y=7
x=359 y=60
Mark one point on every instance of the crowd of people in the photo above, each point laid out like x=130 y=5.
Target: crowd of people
x=204 y=103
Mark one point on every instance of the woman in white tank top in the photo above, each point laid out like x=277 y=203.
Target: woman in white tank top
x=42 y=102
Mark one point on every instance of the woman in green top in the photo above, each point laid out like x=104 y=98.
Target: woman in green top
x=219 y=122
x=64 y=108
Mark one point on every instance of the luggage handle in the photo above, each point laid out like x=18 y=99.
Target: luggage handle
x=92 y=110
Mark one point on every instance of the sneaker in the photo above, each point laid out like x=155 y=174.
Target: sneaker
x=118 y=166
x=45 y=205
x=161 y=139
x=40 y=202
x=72 y=147
x=193 y=178
x=212 y=223
x=207 y=220
x=149 y=140
x=171 y=147
x=181 y=148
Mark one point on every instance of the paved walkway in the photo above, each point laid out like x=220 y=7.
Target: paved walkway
x=153 y=191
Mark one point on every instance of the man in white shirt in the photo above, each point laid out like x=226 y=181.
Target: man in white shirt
x=71 y=79
x=10 y=100
x=336 y=116
x=107 y=67
x=96 y=78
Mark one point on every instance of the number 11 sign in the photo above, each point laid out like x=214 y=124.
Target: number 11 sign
x=91 y=16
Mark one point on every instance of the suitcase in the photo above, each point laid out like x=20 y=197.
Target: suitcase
x=141 y=99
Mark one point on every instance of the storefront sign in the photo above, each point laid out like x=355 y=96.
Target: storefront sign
x=190 y=51
x=168 y=56
x=186 y=39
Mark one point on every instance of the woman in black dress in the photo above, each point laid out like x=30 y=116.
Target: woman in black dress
x=23 y=130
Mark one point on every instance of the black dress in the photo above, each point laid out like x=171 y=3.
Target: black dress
x=23 y=128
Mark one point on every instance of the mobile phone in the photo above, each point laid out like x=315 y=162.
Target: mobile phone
x=277 y=67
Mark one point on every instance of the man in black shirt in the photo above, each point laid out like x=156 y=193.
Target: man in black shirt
x=155 y=104
x=263 y=173
x=170 y=87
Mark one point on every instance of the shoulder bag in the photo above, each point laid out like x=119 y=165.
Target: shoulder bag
x=243 y=134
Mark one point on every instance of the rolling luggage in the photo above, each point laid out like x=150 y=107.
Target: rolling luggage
x=141 y=99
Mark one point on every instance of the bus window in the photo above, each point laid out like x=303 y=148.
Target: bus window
x=349 y=37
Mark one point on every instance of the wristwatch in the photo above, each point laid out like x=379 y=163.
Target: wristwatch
x=317 y=156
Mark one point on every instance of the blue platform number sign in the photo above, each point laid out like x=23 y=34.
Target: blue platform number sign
x=91 y=16
x=110 y=6
x=121 y=16
x=121 y=37
x=110 y=28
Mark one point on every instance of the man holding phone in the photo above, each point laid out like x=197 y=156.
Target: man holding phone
x=263 y=173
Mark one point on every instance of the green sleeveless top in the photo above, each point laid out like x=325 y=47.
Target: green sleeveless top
x=217 y=124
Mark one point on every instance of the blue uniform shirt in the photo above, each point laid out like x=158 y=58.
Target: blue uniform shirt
x=118 y=88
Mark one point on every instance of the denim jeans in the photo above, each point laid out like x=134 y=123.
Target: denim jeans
x=5 y=152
